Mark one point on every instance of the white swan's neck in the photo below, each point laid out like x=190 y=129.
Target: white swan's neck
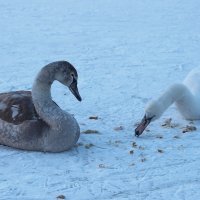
x=180 y=94
x=173 y=94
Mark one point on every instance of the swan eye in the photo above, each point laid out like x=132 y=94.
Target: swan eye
x=72 y=75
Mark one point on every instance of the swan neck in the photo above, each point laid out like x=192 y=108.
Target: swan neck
x=171 y=95
x=41 y=95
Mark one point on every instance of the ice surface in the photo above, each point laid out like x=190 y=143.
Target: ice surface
x=126 y=52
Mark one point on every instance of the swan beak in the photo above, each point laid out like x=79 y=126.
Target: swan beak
x=74 y=89
x=142 y=126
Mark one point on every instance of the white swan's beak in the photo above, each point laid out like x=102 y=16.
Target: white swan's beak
x=74 y=89
x=142 y=126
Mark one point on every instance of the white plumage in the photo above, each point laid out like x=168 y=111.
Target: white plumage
x=185 y=95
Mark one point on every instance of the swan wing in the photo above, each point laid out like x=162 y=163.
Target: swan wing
x=17 y=107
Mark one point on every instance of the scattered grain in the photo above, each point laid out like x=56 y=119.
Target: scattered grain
x=189 y=128
x=134 y=145
x=168 y=124
x=88 y=146
x=131 y=151
x=89 y=131
x=94 y=117
x=160 y=151
x=61 y=197
x=119 y=128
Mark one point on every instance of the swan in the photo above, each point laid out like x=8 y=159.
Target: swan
x=33 y=121
x=185 y=95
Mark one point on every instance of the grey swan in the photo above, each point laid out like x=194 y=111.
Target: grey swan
x=33 y=121
x=185 y=95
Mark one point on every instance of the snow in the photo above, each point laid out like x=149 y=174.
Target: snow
x=126 y=52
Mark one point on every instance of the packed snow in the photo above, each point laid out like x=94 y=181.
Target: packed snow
x=126 y=53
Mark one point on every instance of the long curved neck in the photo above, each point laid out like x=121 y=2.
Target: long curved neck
x=185 y=101
x=41 y=95
x=173 y=94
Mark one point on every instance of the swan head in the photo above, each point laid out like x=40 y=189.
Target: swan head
x=153 y=111
x=67 y=75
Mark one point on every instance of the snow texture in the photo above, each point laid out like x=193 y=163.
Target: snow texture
x=126 y=52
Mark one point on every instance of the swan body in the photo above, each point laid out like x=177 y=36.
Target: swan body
x=33 y=121
x=185 y=95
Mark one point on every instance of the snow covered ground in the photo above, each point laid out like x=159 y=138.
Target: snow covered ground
x=126 y=52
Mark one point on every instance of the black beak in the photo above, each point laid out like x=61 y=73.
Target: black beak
x=74 y=89
x=142 y=126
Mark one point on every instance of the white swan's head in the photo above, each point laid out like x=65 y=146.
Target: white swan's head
x=153 y=111
x=67 y=75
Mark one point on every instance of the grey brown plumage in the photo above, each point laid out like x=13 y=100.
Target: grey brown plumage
x=16 y=107
x=31 y=120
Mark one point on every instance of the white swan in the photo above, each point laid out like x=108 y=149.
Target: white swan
x=32 y=121
x=186 y=96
